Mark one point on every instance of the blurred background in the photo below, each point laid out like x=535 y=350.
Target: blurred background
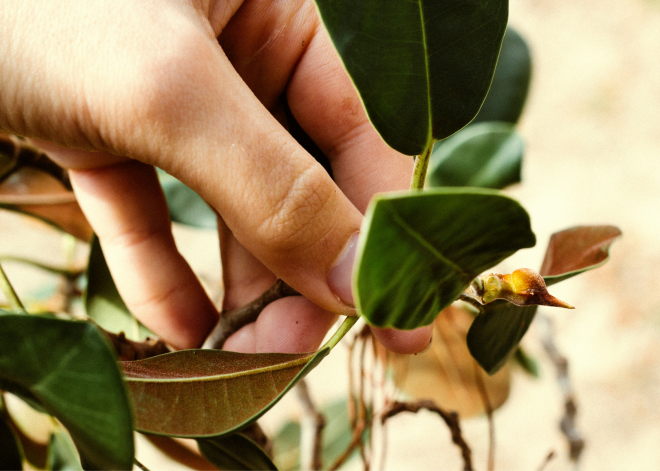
x=592 y=131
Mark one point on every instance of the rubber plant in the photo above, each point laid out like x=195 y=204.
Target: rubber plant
x=423 y=70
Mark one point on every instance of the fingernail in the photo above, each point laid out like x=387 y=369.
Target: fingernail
x=427 y=348
x=341 y=274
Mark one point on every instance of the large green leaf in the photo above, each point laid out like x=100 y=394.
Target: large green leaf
x=422 y=68
x=186 y=206
x=496 y=331
x=198 y=393
x=420 y=251
x=508 y=92
x=234 y=451
x=69 y=367
x=103 y=302
x=487 y=155
x=10 y=448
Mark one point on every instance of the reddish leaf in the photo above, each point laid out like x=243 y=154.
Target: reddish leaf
x=196 y=393
x=576 y=250
x=40 y=195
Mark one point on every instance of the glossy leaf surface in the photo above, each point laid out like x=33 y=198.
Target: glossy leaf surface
x=508 y=92
x=418 y=252
x=496 y=332
x=197 y=393
x=487 y=155
x=71 y=370
x=576 y=250
x=186 y=206
x=234 y=451
x=103 y=302
x=422 y=68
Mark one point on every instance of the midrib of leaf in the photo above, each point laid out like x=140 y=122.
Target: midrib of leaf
x=423 y=242
x=429 y=137
x=239 y=374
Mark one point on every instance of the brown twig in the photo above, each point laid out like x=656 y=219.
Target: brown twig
x=231 y=321
x=312 y=426
x=568 y=425
x=483 y=393
x=548 y=458
x=129 y=350
x=450 y=418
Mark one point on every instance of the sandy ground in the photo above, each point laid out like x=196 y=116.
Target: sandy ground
x=593 y=157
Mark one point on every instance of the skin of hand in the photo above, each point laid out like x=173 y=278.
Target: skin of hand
x=112 y=88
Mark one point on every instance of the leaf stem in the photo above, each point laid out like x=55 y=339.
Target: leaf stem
x=9 y=292
x=421 y=166
x=341 y=331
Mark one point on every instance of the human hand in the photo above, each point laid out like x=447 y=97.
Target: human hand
x=193 y=87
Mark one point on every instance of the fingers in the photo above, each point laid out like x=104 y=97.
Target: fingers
x=126 y=207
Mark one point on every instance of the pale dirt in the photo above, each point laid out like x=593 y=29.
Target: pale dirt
x=592 y=128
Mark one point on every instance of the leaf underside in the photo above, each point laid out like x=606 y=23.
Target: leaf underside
x=200 y=393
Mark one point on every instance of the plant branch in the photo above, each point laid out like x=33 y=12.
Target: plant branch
x=9 y=293
x=421 y=166
x=129 y=350
x=450 y=418
x=568 y=426
x=312 y=425
x=231 y=321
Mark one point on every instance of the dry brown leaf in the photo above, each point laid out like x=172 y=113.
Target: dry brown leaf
x=447 y=373
x=38 y=194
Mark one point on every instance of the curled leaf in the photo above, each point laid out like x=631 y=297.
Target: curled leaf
x=576 y=250
x=523 y=287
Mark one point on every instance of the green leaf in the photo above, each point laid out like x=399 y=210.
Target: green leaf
x=420 y=251
x=422 y=68
x=508 y=92
x=496 y=332
x=103 y=302
x=487 y=155
x=71 y=370
x=186 y=206
x=200 y=393
x=234 y=452
x=576 y=250
x=498 y=329
x=62 y=453
x=10 y=448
